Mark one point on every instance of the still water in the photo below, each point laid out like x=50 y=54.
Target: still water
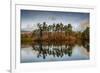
x=42 y=53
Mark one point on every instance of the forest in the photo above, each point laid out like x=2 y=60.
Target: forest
x=55 y=34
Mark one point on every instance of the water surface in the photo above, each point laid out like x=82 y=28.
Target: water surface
x=51 y=52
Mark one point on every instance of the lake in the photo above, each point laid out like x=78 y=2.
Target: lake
x=54 y=52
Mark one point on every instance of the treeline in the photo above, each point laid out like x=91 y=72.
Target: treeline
x=58 y=33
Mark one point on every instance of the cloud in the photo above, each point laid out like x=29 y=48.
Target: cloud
x=28 y=27
x=83 y=25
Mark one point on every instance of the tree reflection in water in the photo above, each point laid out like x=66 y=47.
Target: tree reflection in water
x=86 y=45
x=54 y=50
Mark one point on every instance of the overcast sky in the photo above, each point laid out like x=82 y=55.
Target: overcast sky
x=30 y=18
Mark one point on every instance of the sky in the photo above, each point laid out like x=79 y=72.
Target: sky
x=30 y=18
